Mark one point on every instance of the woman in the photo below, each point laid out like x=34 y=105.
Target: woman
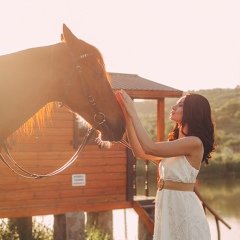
x=178 y=212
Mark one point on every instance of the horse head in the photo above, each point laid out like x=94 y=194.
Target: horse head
x=88 y=91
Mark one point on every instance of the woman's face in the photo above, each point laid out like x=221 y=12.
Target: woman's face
x=176 y=114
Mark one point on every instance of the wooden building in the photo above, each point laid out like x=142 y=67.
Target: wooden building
x=99 y=180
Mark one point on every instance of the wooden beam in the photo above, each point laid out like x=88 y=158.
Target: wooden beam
x=160 y=120
x=143 y=216
x=153 y=94
x=48 y=209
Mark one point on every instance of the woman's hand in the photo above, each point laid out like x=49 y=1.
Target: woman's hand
x=133 y=124
x=119 y=98
x=126 y=103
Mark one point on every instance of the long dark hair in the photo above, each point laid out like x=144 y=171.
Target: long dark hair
x=197 y=116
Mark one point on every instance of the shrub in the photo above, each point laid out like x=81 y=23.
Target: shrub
x=39 y=231
x=93 y=233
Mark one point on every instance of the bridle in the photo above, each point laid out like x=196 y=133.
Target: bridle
x=98 y=119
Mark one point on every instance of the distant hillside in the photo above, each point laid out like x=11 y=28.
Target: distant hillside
x=225 y=105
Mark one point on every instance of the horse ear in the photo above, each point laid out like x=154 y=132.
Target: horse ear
x=68 y=37
x=62 y=38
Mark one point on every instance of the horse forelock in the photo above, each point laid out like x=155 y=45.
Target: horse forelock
x=98 y=56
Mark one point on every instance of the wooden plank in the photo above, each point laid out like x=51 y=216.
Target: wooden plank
x=69 y=200
x=44 y=147
x=91 y=189
x=95 y=189
x=52 y=139
x=33 y=211
x=65 y=186
x=88 y=148
x=64 y=122
x=98 y=159
x=53 y=131
x=26 y=147
x=58 y=182
x=42 y=203
x=63 y=115
x=154 y=94
x=79 y=166
x=61 y=157
x=59 y=123
x=48 y=156
x=71 y=170
x=45 y=166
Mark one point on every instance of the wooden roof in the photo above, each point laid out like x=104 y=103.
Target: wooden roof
x=141 y=88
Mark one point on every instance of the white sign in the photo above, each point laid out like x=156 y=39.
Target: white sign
x=78 y=180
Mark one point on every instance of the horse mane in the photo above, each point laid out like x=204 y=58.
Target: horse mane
x=101 y=62
x=39 y=120
x=96 y=53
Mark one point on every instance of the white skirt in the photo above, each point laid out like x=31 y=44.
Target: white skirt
x=179 y=215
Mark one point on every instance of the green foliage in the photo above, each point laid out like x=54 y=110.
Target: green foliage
x=6 y=232
x=147 y=113
x=39 y=231
x=93 y=233
x=42 y=232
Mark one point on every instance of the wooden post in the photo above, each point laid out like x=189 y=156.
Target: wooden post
x=103 y=221
x=146 y=178
x=143 y=232
x=69 y=226
x=160 y=123
x=131 y=175
x=24 y=227
x=75 y=224
x=59 y=227
x=160 y=120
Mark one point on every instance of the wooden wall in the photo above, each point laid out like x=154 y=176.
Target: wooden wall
x=47 y=150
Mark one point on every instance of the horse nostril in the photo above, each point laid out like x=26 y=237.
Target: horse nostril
x=123 y=128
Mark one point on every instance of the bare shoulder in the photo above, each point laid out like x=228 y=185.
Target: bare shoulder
x=186 y=146
x=195 y=157
x=196 y=141
x=191 y=143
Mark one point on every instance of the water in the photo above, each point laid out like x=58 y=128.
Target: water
x=132 y=227
x=222 y=195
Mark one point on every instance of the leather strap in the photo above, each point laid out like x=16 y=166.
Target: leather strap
x=172 y=185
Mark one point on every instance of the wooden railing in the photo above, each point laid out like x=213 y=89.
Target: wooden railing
x=216 y=216
x=204 y=203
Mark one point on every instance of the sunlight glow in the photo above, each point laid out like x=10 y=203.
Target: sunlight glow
x=186 y=45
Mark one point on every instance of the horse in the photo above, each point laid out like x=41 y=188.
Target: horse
x=71 y=72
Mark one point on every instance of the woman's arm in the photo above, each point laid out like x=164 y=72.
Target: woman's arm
x=184 y=146
x=135 y=144
x=131 y=134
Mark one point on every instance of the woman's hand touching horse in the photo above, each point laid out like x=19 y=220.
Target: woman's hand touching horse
x=126 y=103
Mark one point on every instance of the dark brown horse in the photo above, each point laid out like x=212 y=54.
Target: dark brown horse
x=71 y=72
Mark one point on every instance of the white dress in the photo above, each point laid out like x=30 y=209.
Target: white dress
x=179 y=215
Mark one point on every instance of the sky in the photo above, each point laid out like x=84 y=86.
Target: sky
x=184 y=44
